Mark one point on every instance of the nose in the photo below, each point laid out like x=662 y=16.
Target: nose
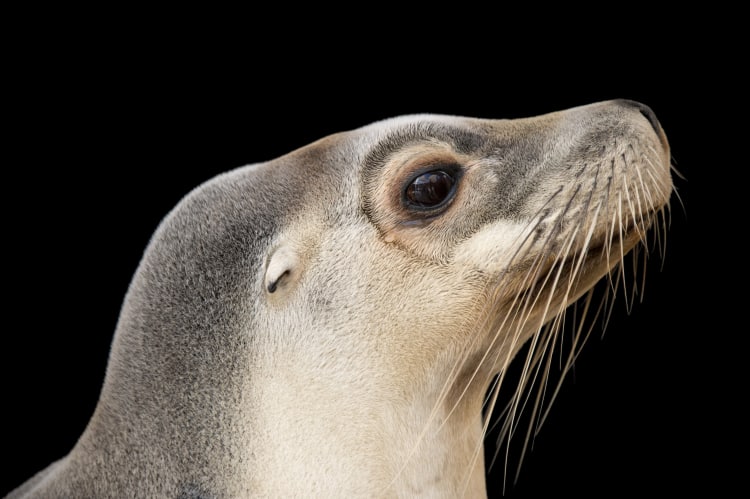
x=646 y=111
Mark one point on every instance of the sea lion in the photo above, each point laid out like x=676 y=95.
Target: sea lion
x=328 y=323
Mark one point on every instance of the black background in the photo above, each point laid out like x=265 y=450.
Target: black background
x=110 y=131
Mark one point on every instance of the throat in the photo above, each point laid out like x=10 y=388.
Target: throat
x=369 y=441
x=441 y=456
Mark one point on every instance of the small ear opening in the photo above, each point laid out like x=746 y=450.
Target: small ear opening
x=282 y=267
x=272 y=286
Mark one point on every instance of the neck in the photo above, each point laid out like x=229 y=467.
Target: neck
x=439 y=457
x=332 y=436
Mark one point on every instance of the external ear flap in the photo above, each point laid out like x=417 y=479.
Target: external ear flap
x=282 y=268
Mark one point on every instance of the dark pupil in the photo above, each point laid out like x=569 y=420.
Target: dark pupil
x=430 y=189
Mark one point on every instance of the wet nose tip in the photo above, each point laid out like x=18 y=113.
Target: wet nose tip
x=646 y=111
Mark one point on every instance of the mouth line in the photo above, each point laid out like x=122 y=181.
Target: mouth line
x=551 y=274
x=605 y=253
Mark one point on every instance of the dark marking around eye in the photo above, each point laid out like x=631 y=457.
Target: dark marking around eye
x=430 y=189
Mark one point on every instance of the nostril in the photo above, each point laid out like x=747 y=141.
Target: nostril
x=646 y=111
x=650 y=116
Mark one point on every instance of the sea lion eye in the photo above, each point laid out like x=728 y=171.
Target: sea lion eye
x=430 y=189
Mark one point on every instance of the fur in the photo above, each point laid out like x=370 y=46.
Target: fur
x=300 y=328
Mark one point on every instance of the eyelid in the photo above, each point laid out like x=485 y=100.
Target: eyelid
x=451 y=167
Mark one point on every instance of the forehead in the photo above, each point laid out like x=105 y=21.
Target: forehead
x=466 y=135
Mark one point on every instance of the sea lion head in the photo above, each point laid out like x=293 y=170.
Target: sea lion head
x=329 y=322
